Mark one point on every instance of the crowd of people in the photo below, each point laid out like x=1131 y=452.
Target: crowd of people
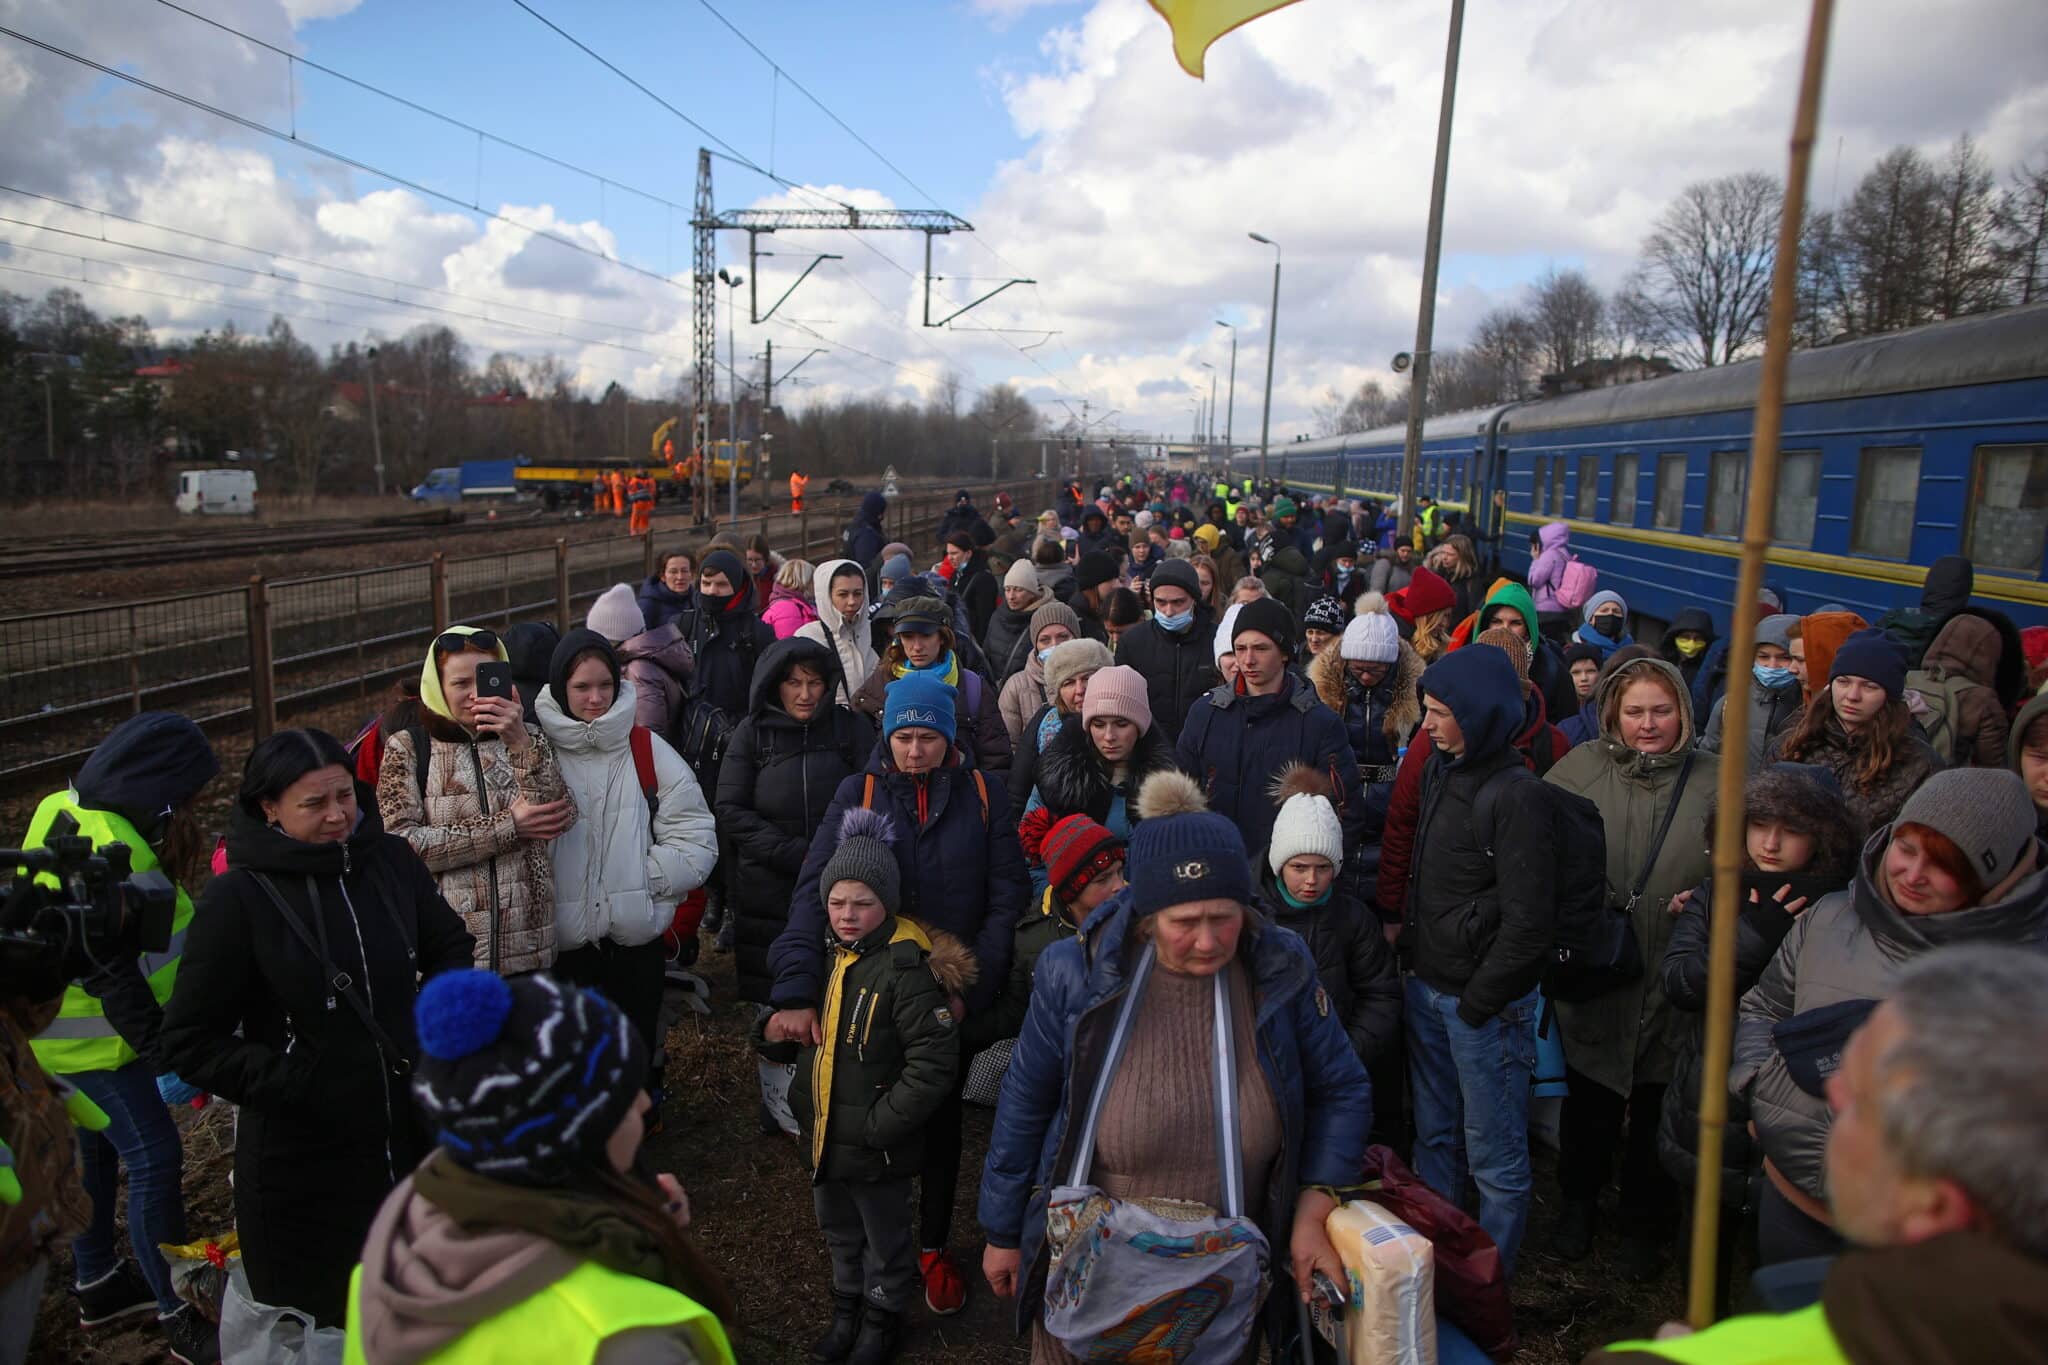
x=1212 y=836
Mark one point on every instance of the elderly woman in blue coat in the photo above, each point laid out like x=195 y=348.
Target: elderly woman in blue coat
x=1303 y=1102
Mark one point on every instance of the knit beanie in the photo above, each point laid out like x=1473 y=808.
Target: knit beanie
x=1178 y=573
x=1601 y=599
x=1325 y=613
x=864 y=854
x=1268 y=618
x=1510 y=644
x=1022 y=575
x=1579 y=649
x=1307 y=823
x=1096 y=568
x=895 y=568
x=1053 y=613
x=1076 y=850
x=1873 y=655
x=1283 y=506
x=1072 y=657
x=1210 y=535
x=1223 y=630
x=1182 y=851
x=1985 y=812
x=1371 y=638
x=1426 y=592
x=1118 y=691
x=526 y=1080
x=919 y=699
x=616 y=614
x=1143 y=521
x=732 y=566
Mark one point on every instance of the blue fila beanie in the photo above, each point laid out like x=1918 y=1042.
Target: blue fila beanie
x=524 y=1081
x=919 y=699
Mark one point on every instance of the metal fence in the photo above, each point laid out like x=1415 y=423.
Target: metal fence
x=240 y=659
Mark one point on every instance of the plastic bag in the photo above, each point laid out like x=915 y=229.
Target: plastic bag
x=253 y=1333
x=1471 y=1284
x=199 y=1271
x=1391 y=1316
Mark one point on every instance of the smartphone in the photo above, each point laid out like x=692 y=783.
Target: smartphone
x=494 y=679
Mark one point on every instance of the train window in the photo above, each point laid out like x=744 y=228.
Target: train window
x=1727 y=479
x=1588 y=506
x=1622 y=509
x=2008 y=508
x=1887 y=491
x=1557 y=487
x=1538 y=473
x=1798 y=497
x=1667 y=499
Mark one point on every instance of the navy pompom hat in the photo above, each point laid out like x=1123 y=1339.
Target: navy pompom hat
x=524 y=1081
x=1182 y=851
x=1873 y=655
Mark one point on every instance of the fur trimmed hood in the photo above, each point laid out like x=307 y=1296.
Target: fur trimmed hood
x=952 y=961
x=1809 y=802
x=1072 y=776
x=1403 y=687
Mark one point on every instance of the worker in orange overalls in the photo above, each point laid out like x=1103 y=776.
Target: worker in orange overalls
x=599 y=498
x=640 y=497
x=798 y=482
x=618 y=487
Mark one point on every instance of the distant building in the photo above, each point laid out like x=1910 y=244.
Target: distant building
x=1605 y=373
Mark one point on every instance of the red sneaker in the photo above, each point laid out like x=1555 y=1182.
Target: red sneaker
x=945 y=1288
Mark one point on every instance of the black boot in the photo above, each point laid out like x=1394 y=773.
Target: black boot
x=1573 y=1240
x=832 y=1348
x=1642 y=1255
x=879 y=1333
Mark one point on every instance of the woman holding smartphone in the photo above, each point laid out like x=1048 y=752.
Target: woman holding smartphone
x=483 y=806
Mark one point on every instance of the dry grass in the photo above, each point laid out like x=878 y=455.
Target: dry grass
x=57 y=518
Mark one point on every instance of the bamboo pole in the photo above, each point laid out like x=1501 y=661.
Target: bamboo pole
x=1729 y=823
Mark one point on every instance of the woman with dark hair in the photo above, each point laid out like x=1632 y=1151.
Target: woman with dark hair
x=666 y=595
x=295 y=1002
x=535 y=1231
x=1858 y=728
x=480 y=804
x=761 y=563
x=1123 y=610
x=137 y=789
x=1960 y=864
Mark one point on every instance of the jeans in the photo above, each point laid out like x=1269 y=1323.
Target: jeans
x=140 y=1136
x=1472 y=1107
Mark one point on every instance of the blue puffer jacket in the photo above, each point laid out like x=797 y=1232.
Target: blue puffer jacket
x=1324 y=1097
x=1233 y=744
x=962 y=872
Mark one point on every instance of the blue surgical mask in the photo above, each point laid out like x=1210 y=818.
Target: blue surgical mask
x=1044 y=654
x=1180 y=622
x=1771 y=677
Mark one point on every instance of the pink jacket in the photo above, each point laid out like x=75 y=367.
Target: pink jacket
x=1546 y=571
x=788 y=612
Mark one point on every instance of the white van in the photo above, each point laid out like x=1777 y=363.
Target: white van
x=217 y=491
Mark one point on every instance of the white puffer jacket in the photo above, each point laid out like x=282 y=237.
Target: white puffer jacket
x=613 y=879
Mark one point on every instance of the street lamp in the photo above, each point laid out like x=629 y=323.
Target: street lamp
x=1209 y=421
x=1230 y=403
x=732 y=280
x=1272 y=344
x=376 y=437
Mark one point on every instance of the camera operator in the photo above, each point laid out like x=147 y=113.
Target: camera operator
x=477 y=793
x=137 y=788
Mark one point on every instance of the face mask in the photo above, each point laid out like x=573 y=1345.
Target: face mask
x=1044 y=654
x=1344 y=568
x=1691 y=647
x=1771 y=677
x=1180 y=622
x=1610 y=626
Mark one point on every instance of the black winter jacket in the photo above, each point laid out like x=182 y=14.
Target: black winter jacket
x=1000 y=641
x=1233 y=744
x=976 y=589
x=776 y=779
x=325 y=1128
x=1176 y=665
x=1354 y=965
x=1483 y=924
x=727 y=645
x=1073 y=779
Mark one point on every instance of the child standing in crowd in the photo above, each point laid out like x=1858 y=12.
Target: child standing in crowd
x=877 y=1066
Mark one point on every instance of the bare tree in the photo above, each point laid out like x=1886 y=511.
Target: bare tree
x=1363 y=411
x=1890 y=228
x=1966 y=275
x=1507 y=340
x=2021 y=222
x=1703 y=280
x=1567 y=314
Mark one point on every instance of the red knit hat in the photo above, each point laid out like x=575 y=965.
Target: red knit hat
x=1426 y=592
x=1077 y=850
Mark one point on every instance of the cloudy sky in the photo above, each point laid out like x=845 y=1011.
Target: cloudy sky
x=1062 y=130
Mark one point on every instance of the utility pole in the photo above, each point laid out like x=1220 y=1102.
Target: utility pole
x=50 y=425
x=376 y=435
x=1230 y=403
x=767 y=406
x=1425 y=317
x=1273 y=343
x=732 y=411
x=1210 y=429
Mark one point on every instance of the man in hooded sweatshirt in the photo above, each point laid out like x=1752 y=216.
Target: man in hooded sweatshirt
x=1483 y=916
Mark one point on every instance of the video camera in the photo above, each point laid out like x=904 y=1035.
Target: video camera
x=97 y=913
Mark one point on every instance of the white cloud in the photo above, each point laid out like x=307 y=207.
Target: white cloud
x=302 y=12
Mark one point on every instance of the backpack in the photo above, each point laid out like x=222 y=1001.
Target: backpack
x=867 y=793
x=1595 y=946
x=1935 y=699
x=1577 y=584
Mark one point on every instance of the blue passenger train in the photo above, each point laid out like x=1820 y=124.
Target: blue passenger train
x=1896 y=450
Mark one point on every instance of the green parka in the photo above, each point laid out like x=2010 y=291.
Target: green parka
x=1629 y=1037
